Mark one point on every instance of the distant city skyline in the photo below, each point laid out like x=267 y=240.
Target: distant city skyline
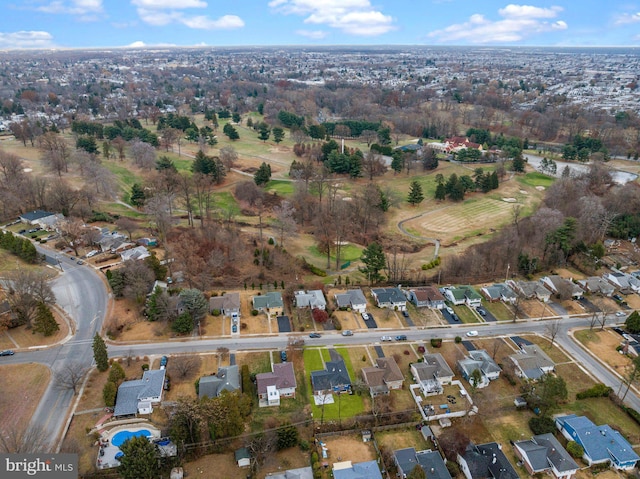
x=139 y=23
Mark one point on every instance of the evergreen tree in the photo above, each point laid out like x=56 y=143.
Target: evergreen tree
x=100 y=355
x=263 y=175
x=165 y=163
x=109 y=394
x=116 y=374
x=397 y=163
x=264 y=132
x=194 y=303
x=278 y=134
x=137 y=196
x=417 y=473
x=518 y=163
x=287 y=437
x=44 y=321
x=374 y=261
x=416 y=196
x=139 y=460
x=495 y=181
x=441 y=192
x=183 y=324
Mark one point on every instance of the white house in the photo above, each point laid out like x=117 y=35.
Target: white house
x=279 y=383
x=310 y=299
x=391 y=298
x=432 y=374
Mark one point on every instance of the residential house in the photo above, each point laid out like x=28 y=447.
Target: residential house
x=531 y=362
x=313 y=299
x=499 y=292
x=112 y=241
x=562 y=286
x=226 y=379
x=432 y=374
x=427 y=297
x=530 y=290
x=463 y=295
x=386 y=375
x=299 y=473
x=601 y=444
x=483 y=362
x=139 y=395
x=334 y=378
x=542 y=454
x=279 y=383
x=243 y=458
x=270 y=302
x=486 y=461
x=597 y=285
x=391 y=298
x=626 y=283
x=354 y=299
x=360 y=470
x=43 y=219
x=430 y=461
x=228 y=304
x=457 y=143
x=137 y=253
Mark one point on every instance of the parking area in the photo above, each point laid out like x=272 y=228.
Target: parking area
x=369 y=321
x=449 y=317
x=284 y=324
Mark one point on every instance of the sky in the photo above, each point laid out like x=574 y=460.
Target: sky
x=138 y=23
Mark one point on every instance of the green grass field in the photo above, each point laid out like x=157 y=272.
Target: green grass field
x=283 y=188
x=349 y=252
x=534 y=179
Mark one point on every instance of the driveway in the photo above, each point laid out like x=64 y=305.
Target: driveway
x=558 y=308
x=284 y=325
x=379 y=351
x=448 y=317
x=588 y=305
x=488 y=317
x=369 y=321
x=468 y=345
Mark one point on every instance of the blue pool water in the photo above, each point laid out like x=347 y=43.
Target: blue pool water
x=122 y=436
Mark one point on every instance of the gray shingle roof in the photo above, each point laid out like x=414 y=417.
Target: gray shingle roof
x=227 y=379
x=130 y=392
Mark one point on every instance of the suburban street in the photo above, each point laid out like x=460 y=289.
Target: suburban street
x=82 y=294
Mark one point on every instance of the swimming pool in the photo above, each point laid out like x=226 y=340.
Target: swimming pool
x=120 y=437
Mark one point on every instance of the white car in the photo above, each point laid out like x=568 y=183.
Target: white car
x=472 y=333
x=386 y=338
x=620 y=314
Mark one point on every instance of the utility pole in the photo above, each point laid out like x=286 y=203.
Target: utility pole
x=507 y=276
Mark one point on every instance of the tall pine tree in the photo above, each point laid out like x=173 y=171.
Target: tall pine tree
x=44 y=321
x=415 y=193
x=100 y=353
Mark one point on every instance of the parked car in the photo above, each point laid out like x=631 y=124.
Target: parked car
x=617 y=297
x=283 y=356
x=163 y=361
x=450 y=310
x=365 y=316
x=386 y=338
x=401 y=337
x=481 y=311
x=347 y=332
x=167 y=384
x=472 y=333
x=7 y=352
x=234 y=328
x=91 y=254
x=405 y=313
x=455 y=317
x=314 y=335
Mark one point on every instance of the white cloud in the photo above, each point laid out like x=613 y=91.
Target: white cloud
x=163 y=12
x=627 y=18
x=517 y=23
x=356 y=17
x=138 y=44
x=88 y=10
x=25 y=39
x=312 y=34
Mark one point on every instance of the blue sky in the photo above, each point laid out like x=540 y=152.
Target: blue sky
x=120 y=23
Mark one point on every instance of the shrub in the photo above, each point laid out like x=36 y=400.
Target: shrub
x=215 y=312
x=145 y=367
x=431 y=264
x=336 y=323
x=458 y=340
x=575 y=449
x=542 y=425
x=421 y=349
x=313 y=269
x=436 y=342
x=109 y=394
x=254 y=312
x=599 y=390
x=635 y=415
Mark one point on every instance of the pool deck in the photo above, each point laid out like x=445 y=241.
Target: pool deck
x=107 y=453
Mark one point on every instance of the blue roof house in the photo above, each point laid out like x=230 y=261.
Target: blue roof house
x=601 y=443
x=360 y=470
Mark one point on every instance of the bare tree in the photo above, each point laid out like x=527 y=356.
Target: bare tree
x=496 y=345
x=285 y=223
x=127 y=224
x=369 y=136
x=31 y=441
x=56 y=152
x=184 y=366
x=261 y=446
x=228 y=156
x=158 y=208
x=26 y=289
x=72 y=229
x=70 y=376
x=373 y=165
x=169 y=137
x=143 y=154
x=552 y=329
x=223 y=353
x=120 y=145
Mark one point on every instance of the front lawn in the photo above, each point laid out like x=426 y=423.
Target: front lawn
x=465 y=314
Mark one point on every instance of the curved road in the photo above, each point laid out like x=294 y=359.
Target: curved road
x=81 y=293
x=431 y=240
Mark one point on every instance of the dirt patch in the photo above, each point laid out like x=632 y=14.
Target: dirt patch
x=22 y=388
x=348 y=448
x=603 y=344
x=22 y=337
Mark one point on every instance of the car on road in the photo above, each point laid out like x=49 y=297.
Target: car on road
x=80 y=262
x=401 y=337
x=7 y=352
x=481 y=311
x=314 y=335
x=283 y=356
x=163 y=361
x=386 y=338
x=620 y=314
x=472 y=333
x=347 y=332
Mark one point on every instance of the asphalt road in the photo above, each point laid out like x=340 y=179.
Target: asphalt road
x=81 y=293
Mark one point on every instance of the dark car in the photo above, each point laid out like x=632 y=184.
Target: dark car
x=314 y=335
x=617 y=297
x=163 y=361
x=7 y=352
x=405 y=314
x=283 y=356
x=481 y=311
x=234 y=328
x=455 y=317
x=401 y=337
